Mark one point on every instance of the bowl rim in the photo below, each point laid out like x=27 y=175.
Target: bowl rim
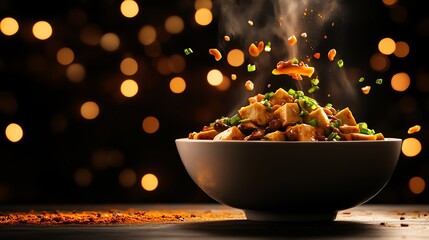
x=289 y=142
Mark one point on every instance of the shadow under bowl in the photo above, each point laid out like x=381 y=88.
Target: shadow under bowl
x=290 y=181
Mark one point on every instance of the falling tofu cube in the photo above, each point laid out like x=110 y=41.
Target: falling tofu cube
x=275 y=136
x=232 y=133
x=281 y=97
x=288 y=114
x=304 y=132
x=346 y=117
x=320 y=116
x=256 y=112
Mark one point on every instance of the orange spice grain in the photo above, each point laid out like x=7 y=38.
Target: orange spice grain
x=227 y=38
x=249 y=85
x=366 y=89
x=216 y=53
x=261 y=46
x=414 y=129
x=316 y=55
x=233 y=76
x=292 y=40
x=331 y=54
x=253 y=50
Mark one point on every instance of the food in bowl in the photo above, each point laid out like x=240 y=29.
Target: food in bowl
x=287 y=116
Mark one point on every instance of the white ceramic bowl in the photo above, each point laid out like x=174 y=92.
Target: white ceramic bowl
x=290 y=181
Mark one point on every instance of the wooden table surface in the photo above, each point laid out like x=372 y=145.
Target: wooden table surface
x=363 y=222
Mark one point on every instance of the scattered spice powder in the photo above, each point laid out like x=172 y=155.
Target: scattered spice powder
x=130 y=216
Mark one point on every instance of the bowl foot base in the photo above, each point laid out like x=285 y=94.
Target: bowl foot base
x=254 y=215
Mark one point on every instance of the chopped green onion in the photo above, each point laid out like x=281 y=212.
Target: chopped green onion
x=291 y=92
x=245 y=120
x=379 y=81
x=312 y=122
x=361 y=79
x=269 y=95
x=300 y=93
x=188 y=51
x=329 y=105
x=234 y=120
x=314 y=81
x=336 y=123
x=212 y=124
x=303 y=113
x=362 y=125
x=295 y=61
x=268 y=47
x=251 y=67
x=340 y=63
x=333 y=137
x=313 y=88
x=367 y=131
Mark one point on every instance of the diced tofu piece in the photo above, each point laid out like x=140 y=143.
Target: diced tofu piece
x=275 y=136
x=360 y=136
x=257 y=113
x=379 y=136
x=303 y=132
x=288 y=114
x=256 y=98
x=320 y=116
x=281 y=97
x=232 y=133
x=210 y=134
x=345 y=129
x=346 y=117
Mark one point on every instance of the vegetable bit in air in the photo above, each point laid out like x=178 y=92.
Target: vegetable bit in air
x=379 y=81
x=340 y=63
x=216 y=53
x=414 y=129
x=188 y=51
x=295 y=70
x=268 y=47
x=251 y=67
x=361 y=79
x=331 y=54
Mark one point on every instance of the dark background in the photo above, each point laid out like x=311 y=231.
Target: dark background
x=57 y=142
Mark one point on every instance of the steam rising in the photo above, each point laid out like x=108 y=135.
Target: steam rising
x=276 y=21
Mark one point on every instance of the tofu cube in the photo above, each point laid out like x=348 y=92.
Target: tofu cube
x=275 y=136
x=257 y=113
x=320 y=116
x=256 y=98
x=346 y=117
x=232 y=133
x=305 y=132
x=281 y=97
x=288 y=114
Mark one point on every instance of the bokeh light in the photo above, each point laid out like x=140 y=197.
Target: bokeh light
x=177 y=85
x=174 y=24
x=129 y=8
x=65 y=56
x=235 y=57
x=83 y=177
x=203 y=16
x=91 y=34
x=147 y=35
x=127 y=178
x=150 y=124
x=14 y=132
x=203 y=4
x=149 y=182
x=402 y=49
x=399 y=14
x=417 y=185
x=89 y=110
x=225 y=84
x=214 y=77
x=129 y=88
x=400 y=81
x=411 y=147
x=422 y=81
x=9 y=26
x=379 y=62
x=386 y=46
x=110 y=42
x=76 y=72
x=176 y=63
x=42 y=30
x=129 y=66
x=390 y=2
